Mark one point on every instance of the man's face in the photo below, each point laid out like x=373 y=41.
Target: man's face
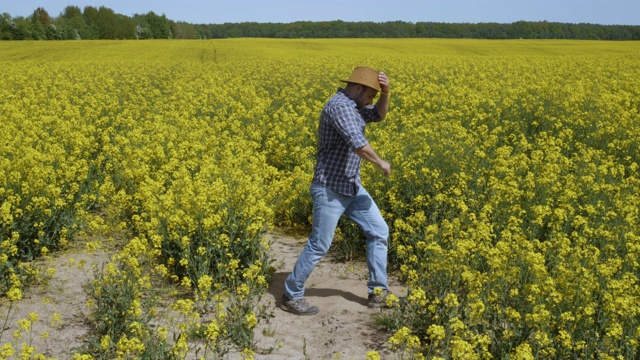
x=365 y=96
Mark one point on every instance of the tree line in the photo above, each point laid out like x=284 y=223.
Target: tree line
x=93 y=23
x=103 y=23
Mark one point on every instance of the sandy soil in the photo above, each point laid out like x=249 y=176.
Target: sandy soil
x=60 y=303
x=344 y=328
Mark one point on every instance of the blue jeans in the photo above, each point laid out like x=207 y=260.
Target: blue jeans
x=328 y=206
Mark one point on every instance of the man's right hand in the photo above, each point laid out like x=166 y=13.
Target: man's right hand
x=385 y=167
x=366 y=152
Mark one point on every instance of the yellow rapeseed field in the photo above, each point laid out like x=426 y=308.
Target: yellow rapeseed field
x=513 y=201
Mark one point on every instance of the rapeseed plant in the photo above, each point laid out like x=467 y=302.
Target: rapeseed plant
x=513 y=205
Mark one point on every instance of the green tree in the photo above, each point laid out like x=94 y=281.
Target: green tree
x=40 y=15
x=72 y=23
x=202 y=31
x=22 y=29
x=126 y=27
x=104 y=23
x=91 y=31
x=39 y=20
x=43 y=26
x=159 y=26
x=421 y=29
x=6 y=27
x=143 y=30
x=183 y=30
x=107 y=22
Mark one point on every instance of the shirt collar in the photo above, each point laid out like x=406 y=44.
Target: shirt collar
x=343 y=92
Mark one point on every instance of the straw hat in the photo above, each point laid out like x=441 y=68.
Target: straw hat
x=366 y=76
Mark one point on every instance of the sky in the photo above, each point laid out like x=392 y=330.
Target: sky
x=605 y=12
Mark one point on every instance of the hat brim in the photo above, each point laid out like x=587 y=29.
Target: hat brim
x=363 y=84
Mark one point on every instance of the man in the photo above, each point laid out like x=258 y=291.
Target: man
x=336 y=187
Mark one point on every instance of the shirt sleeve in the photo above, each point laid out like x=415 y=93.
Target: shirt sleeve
x=348 y=122
x=370 y=114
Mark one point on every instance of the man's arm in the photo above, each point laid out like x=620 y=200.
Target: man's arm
x=382 y=105
x=366 y=152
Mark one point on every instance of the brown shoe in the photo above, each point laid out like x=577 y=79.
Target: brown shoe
x=379 y=298
x=298 y=306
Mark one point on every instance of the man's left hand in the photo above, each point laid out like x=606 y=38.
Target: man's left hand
x=384 y=82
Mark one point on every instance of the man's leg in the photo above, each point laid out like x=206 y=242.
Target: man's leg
x=328 y=206
x=364 y=212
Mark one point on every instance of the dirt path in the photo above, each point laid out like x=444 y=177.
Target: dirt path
x=60 y=304
x=344 y=328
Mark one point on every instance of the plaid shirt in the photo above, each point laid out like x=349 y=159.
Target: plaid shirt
x=340 y=133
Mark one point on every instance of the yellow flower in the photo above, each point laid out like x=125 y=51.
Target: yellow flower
x=250 y=320
x=373 y=355
x=451 y=300
x=403 y=339
x=515 y=200
x=105 y=342
x=14 y=294
x=24 y=324
x=243 y=291
x=128 y=347
x=392 y=301
x=27 y=351
x=523 y=352
x=417 y=297
x=7 y=351
x=247 y=354
x=184 y=306
x=436 y=332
